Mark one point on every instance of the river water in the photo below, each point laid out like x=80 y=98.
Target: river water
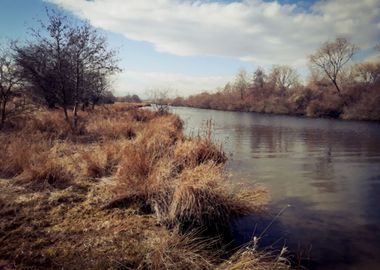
x=323 y=177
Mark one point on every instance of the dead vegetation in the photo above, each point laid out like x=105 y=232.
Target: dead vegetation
x=127 y=190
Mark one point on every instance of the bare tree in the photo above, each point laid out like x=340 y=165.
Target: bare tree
x=283 y=77
x=367 y=72
x=241 y=82
x=67 y=64
x=227 y=88
x=45 y=62
x=10 y=83
x=331 y=57
x=259 y=78
x=160 y=99
x=91 y=62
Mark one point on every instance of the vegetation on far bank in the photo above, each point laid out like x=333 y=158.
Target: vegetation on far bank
x=124 y=190
x=335 y=88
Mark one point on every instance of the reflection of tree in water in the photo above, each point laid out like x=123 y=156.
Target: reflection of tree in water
x=319 y=147
x=371 y=193
x=321 y=171
x=271 y=139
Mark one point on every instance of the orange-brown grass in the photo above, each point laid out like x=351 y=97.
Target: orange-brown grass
x=17 y=151
x=53 y=210
x=141 y=157
x=179 y=179
x=251 y=259
x=46 y=174
x=102 y=160
x=112 y=128
x=120 y=107
x=193 y=152
x=204 y=199
x=50 y=123
x=172 y=250
x=142 y=115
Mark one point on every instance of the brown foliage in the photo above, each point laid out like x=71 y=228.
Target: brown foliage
x=331 y=91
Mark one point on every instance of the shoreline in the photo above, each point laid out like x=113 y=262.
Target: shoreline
x=283 y=114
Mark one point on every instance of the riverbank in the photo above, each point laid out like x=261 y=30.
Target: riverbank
x=279 y=112
x=125 y=189
x=356 y=102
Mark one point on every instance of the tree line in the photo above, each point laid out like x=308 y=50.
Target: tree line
x=64 y=64
x=336 y=87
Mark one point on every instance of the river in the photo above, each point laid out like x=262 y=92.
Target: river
x=323 y=176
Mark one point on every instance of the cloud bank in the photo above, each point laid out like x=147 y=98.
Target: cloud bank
x=254 y=30
x=263 y=33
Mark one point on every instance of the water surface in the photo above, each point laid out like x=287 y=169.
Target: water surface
x=328 y=171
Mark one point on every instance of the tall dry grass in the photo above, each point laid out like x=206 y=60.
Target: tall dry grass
x=119 y=157
x=45 y=142
x=172 y=250
x=181 y=180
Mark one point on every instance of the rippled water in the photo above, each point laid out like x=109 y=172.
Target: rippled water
x=328 y=171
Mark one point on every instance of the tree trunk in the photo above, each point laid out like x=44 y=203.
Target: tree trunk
x=75 y=114
x=3 y=113
x=66 y=114
x=337 y=87
x=340 y=93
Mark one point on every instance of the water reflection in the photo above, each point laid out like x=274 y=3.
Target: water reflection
x=328 y=170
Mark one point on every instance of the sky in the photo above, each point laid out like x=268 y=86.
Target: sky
x=189 y=46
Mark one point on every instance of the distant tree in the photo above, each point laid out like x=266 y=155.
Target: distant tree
x=241 y=82
x=178 y=101
x=10 y=83
x=65 y=63
x=227 y=88
x=107 y=98
x=331 y=57
x=130 y=98
x=135 y=98
x=160 y=100
x=367 y=72
x=283 y=77
x=259 y=78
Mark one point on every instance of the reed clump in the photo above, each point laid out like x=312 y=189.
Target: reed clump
x=194 y=152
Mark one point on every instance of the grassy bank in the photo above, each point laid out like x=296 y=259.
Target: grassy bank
x=124 y=190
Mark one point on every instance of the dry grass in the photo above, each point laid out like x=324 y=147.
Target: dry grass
x=124 y=190
x=202 y=198
x=250 y=259
x=45 y=174
x=172 y=250
x=17 y=151
x=103 y=159
x=191 y=153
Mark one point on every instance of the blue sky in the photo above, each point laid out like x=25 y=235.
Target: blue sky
x=190 y=46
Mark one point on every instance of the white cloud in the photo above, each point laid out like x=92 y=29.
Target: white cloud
x=143 y=83
x=253 y=30
x=263 y=33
